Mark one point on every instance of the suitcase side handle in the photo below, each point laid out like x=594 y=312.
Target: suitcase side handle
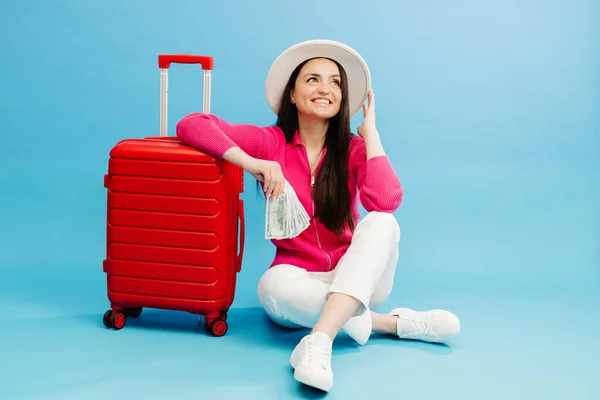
x=164 y=63
x=242 y=235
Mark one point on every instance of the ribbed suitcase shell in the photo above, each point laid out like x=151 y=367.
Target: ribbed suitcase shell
x=172 y=231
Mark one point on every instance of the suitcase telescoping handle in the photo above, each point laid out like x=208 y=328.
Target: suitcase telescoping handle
x=164 y=63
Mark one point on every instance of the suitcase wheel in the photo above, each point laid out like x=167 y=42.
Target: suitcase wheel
x=133 y=312
x=118 y=320
x=114 y=319
x=218 y=327
x=106 y=319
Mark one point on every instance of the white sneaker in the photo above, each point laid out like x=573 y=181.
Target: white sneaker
x=311 y=360
x=436 y=326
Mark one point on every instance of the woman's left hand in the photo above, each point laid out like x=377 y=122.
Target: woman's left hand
x=368 y=126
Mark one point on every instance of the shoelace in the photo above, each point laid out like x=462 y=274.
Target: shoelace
x=318 y=354
x=417 y=327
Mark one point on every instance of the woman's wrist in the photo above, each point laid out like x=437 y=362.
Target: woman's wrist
x=238 y=157
x=373 y=144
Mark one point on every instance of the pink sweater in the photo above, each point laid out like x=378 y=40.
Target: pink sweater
x=373 y=182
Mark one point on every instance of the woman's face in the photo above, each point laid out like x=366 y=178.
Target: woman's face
x=318 y=89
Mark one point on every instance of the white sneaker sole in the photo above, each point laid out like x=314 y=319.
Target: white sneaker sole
x=293 y=360
x=306 y=377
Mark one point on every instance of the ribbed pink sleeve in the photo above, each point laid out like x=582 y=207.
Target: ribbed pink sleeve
x=379 y=186
x=215 y=136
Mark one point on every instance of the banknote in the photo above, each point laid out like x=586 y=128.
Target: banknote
x=285 y=217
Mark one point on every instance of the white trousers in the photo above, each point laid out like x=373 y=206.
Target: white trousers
x=293 y=297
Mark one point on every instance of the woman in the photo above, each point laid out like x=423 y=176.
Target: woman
x=330 y=276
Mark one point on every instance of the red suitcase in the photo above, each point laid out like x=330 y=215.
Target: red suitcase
x=172 y=223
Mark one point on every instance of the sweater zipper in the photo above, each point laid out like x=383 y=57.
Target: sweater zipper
x=312 y=183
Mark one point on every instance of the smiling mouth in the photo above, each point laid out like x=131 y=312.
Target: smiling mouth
x=322 y=102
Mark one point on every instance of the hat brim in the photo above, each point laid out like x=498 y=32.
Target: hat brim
x=357 y=71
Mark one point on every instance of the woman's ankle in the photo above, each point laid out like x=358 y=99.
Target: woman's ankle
x=384 y=324
x=338 y=309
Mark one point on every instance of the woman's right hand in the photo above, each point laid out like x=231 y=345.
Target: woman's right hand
x=268 y=172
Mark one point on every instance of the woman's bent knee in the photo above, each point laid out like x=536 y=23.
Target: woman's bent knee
x=383 y=222
x=292 y=296
x=275 y=279
x=274 y=292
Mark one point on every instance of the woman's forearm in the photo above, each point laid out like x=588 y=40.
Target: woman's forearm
x=373 y=145
x=237 y=156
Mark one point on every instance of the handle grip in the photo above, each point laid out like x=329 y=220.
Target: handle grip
x=164 y=63
x=242 y=235
x=165 y=60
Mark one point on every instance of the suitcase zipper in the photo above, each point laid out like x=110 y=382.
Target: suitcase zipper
x=312 y=183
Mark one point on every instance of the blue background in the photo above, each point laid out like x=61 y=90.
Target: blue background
x=488 y=110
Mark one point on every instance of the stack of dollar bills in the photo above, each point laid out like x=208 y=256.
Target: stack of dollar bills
x=285 y=216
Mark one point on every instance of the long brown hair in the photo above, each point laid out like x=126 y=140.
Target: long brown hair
x=331 y=193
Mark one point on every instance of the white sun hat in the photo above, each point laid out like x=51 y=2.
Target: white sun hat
x=357 y=70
